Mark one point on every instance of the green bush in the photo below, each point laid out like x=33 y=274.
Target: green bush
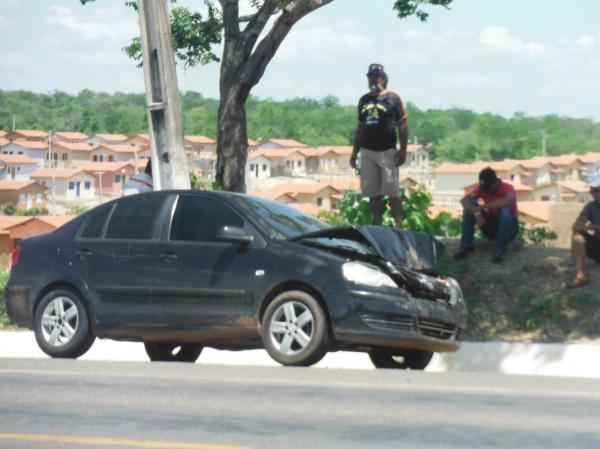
x=9 y=209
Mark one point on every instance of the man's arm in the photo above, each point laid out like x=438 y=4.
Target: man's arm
x=470 y=204
x=502 y=202
x=403 y=135
x=357 y=142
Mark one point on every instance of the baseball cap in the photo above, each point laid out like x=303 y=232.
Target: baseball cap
x=487 y=178
x=375 y=69
x=594 y=181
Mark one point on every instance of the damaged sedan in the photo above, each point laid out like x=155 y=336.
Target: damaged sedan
x=184 y=270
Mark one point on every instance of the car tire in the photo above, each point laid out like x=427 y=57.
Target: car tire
x=173 y=352
x=295 y=329
x=413 y=359
x=62 y=326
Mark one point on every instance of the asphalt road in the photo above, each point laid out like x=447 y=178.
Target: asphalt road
x=82 y=404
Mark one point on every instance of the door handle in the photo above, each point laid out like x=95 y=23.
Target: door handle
x=83 y=253
x=168 y=256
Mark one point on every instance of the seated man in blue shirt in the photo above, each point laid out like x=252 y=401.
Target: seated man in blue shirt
x=586 y=235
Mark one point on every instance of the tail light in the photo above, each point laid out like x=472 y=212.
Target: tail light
x=16 y=255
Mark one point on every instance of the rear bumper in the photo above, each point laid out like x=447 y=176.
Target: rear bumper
x=19 y=306
x=394 y=319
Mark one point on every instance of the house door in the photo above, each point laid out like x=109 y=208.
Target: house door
x=13 y=172
x=256 y=169
x=77 y=189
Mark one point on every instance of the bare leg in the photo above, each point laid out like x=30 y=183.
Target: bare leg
x=377 y=209
x=397 y=210
x=578 y=253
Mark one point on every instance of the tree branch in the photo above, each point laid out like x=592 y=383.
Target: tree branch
x=257 y=24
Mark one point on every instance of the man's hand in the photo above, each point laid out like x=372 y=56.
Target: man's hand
x=353 y=158
x=400 y=157
x=479 y=219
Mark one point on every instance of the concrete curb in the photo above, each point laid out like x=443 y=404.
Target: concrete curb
x=547 y=359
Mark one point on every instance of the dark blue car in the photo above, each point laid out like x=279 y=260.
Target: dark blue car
x=181 y=270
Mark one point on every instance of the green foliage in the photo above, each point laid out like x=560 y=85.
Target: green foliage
x=355 y=210
x=76 y=209
x=4 y=321
x=33 y=212
x=456 y=134
x=198 y=183
x=536 y=236
x=9 y=209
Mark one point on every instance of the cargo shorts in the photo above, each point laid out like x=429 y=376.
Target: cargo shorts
x=379 y=174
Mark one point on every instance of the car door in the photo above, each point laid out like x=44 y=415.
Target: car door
x=204 y=284
x=127 y=266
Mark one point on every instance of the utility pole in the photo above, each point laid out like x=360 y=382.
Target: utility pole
x=169 y=162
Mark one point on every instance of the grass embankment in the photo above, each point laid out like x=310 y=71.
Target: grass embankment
x=519 y=300
x=523 y=299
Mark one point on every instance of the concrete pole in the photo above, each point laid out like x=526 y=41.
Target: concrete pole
x=169 y=162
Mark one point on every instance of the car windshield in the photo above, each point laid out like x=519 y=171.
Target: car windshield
x=278 y=220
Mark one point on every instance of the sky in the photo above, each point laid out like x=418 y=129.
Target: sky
x=535 y=57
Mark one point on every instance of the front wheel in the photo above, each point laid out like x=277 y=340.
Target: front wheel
x=407 y=359
x=173 y=352
x=61 y=325
x=294 y=329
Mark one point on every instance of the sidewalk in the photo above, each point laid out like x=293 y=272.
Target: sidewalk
x=572 y=360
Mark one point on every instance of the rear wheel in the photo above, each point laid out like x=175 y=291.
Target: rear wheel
x=408 y=359
x=61 y=325
x=294 y=329
x=173 y=352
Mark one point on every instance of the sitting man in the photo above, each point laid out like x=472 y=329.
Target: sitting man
x=496 y=217
x=586 y=234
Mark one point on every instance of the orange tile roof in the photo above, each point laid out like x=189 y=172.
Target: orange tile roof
x=2 y=133
x=272 y=195
x=286 y=143
x=70 y=135
x=16 y=159
x=575 y=186
x=252 y=143
x=61 y=173
x=79 y=146
x=413 y=148
x=342 y=186
x=31 y=133
x=272 y=154
x=4 y=141
x=345 y=149
x=590 y=158
x=295 y=189
x=103 y=166
x=506 y=165
x=565 y=159
x=539 y=210
x=120 y=148
x=200 y=139
x=112 y=137
x=141 y=163
x=56 y=220
x=16 y=185
x=31 y=145
x=448 y=167
x=8 y=221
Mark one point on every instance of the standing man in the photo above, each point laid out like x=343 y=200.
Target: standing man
x=381 y=123
x=493 y=207
x=142 y=182
x=586 y=234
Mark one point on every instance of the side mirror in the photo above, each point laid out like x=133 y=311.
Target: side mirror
x=235 y=234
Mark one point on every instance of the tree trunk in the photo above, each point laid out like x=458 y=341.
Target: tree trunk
x=232 y=141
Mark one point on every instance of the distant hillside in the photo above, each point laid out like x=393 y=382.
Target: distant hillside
x=457 y=134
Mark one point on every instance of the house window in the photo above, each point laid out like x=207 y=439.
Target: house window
x=43 y=183
x=95 y=158
x=251 y=167
x=65 y=156
x=111 y=158
x=264 y=167
x=101 y=158
x=319 y=202
x=88 y=185
x=20 y=152
x=299 y=164
x=39 y=198
x=22 y=198
x=71 y=185
x=287 y=163
x=117 y=179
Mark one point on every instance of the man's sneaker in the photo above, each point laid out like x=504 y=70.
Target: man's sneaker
x=498 y=258
x=463 y=252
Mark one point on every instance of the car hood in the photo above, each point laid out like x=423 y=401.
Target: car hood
x=414 y=250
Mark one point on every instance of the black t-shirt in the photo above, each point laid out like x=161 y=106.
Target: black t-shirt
x=379 y=116
x=591 y=212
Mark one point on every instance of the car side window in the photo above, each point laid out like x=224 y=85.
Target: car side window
x=198 y=219
x=94 y=225
x=135 y=217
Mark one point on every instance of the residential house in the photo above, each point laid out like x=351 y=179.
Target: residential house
x=592 y=163
x=68 y=137
x=450 y=180
x=23 y=194
x=34 y=149
x=320 y=195
x=283 y=162
x=279 y=144
x=200 y=147
x=108 y=139
x=509 y=170
x=66 y=184
x=116 y=153
x=67 y=154
x=569 y=191
x=258 y=166
x=139 y=140
x=2 y=134
x=281 y=197
x=16 y=166
x=3 y=142
x=27 y=134
x=252 y=144
x=109 y=177
x=567 y=167
x=535 y=213
x=417 y=164
x=538 y=172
